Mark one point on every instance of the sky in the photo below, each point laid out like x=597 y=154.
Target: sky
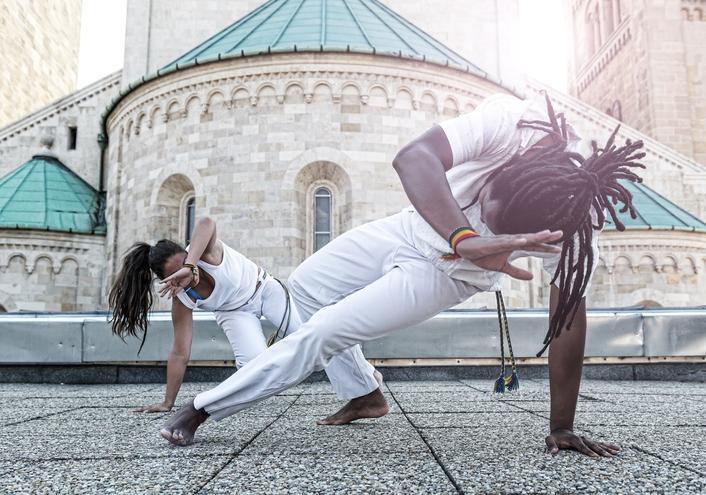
x=543 y=37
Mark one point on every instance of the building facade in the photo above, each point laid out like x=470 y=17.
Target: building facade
x=283 y=126
x=39 y=57
x=642 y=61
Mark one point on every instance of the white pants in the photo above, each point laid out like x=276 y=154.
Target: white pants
x=242 y=326
x=244 y=332
x=377 y=281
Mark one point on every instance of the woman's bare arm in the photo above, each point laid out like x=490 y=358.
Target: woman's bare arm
x=182 y=321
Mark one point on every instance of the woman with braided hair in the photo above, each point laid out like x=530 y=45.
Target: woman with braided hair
x=212 y=276
x=486 y=187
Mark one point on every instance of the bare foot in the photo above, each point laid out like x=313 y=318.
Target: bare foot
x=372 y=405
x=180 y=429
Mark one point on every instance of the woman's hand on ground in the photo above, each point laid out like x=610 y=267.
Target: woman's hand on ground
x=177 y=281
x=153 y=408
x=568 y=440
x=493 y=252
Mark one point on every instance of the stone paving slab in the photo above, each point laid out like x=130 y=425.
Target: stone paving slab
x=305 y=437
x=441 y=437
x=35 y=440
x=678 y=445
x=516 y=462
x=413 y=402
x=475 y=420
x=147 y=475
x=335 y=473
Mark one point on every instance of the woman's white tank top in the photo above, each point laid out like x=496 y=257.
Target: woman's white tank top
x=235 y=279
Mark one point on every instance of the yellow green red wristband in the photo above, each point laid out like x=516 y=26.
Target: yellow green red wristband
x=460 y=234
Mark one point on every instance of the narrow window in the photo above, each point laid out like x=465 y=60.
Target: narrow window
x=73 y=131
x=322 y=218
x=617 y=110
x=190 y=218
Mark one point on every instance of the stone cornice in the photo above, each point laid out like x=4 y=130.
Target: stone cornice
x=301 y=68
x=107 y=83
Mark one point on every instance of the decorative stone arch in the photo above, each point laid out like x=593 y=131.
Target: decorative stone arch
x=669 y=264
x=428 y=101
x=154 y=115
x=692 y=264
x=378 y=95
x=172 y=109
x=240 y=93
x=651 y=262
x=313 y=168
x=266 y=93
x=67 y=259
x=405 y=98
x=192 y=105
x=322 y=92
x=450 y=107
x=167 y=205
x=214 y=97
x=139 y=122
x=623 y=261
x=294 y=92
x=128 y=129
x=53 y=267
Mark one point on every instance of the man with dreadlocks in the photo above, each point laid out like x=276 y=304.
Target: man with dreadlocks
x=483 y=186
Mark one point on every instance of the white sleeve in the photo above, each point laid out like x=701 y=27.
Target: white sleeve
x=487 y=130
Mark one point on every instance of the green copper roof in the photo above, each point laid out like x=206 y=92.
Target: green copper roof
x=45 y=194
x=656 y=212
x=324 y=25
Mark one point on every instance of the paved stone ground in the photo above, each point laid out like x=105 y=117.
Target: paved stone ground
x=441 y=437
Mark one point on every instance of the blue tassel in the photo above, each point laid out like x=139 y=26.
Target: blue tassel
x=500 y=385
x=512 y=382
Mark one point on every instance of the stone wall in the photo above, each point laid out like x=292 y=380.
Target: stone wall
x=81 y=110
x=50 y=271
x=650 y=268
x=651 y=63
x=251 y=136
x=39 y=56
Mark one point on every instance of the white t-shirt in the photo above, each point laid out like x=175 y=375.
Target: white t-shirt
x=481 y=141
x=235 y=280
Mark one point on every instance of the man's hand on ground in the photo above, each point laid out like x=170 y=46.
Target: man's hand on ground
x=568 y=440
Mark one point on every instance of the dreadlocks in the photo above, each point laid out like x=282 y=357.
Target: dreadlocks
x=556 y=189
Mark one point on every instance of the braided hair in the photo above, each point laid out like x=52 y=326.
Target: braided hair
x=558 y=189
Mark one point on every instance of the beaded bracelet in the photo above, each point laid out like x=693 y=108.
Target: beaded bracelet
x=194 y=269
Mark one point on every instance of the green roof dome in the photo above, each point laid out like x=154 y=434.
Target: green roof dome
x=656 y=212
x=45 y=194
x=324 y=25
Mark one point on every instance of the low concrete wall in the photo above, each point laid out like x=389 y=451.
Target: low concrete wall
x=451 y=338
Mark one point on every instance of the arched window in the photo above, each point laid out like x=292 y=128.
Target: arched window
x=608 y=17
x=2 y=309
x=322 y=217
x=190 y=218
x=590 y=43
